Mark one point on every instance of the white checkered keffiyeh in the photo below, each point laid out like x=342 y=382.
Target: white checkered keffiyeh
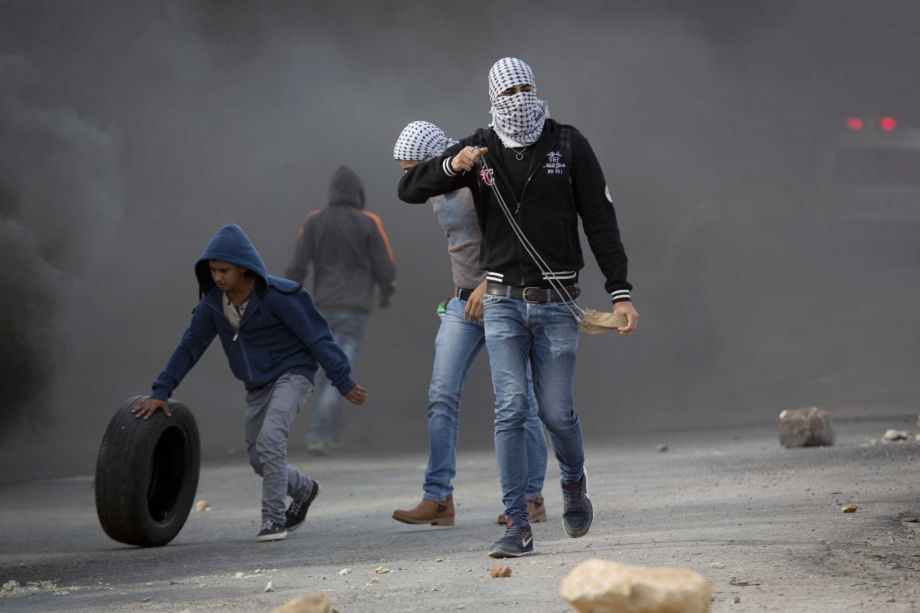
x=421 y=140
x=518 y=119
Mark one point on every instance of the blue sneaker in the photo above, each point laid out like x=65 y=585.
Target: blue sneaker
x=517 y=542
x=577 y=513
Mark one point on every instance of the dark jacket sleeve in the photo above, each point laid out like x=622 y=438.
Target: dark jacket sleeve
x=383 y=262
x=299 y=266
x=300 y=315
x=434 y=177
x=599 y=219
x=195 y=341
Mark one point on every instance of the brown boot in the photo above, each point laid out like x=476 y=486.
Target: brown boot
x=536 y=512
x=428 y=512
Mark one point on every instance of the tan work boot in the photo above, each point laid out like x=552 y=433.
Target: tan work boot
x=536 y=512
x=428 y=512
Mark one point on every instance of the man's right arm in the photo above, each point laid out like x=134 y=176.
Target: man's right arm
x=194 y=343
x=299 y=265
x=435 y=177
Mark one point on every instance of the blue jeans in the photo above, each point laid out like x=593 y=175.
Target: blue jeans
x=546 y=336
x=456 y=346
x=327 y=423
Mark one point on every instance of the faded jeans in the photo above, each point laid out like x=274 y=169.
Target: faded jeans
x=456 y=346
x=328 y=424
x=546 y=336
x=270 y=411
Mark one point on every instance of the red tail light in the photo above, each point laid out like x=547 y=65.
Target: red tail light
x=854 y=123
x=888 y=124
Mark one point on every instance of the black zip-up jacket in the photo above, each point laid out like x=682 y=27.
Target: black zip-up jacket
x=348 y=249
x=565 y=182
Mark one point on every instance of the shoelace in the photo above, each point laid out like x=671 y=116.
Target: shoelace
x=514 y=530
x=574 y=496
x=295 y=507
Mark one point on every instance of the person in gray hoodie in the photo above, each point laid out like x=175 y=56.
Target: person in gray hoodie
x=350 y=254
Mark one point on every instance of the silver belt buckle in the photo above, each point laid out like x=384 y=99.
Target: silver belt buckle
x=539 y=289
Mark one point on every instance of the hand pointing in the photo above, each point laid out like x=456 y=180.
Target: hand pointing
x=467 y=158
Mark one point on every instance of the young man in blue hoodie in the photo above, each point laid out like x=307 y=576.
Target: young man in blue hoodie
x=274 y=339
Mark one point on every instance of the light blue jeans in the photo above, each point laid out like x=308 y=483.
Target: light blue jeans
x=270 y=411
x=546 y=337
x=327 y=424
x=456 y=346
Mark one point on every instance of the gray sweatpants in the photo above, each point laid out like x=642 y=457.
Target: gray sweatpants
x=270 y=411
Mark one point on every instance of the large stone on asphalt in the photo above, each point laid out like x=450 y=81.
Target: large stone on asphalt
x=811 y=427
x=599 y=586
x=893 y=436
x=319 y=602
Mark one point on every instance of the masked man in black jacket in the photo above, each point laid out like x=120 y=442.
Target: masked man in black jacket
x=532 y=179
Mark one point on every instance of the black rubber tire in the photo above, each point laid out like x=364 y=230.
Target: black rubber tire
x=147 y=475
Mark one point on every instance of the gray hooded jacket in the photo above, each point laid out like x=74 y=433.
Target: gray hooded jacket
x=348 y=249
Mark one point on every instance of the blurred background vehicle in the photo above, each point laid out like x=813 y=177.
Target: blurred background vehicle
x=872 y=173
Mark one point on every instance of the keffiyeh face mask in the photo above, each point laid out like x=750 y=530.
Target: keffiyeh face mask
x=517 y=119
x=421 y=140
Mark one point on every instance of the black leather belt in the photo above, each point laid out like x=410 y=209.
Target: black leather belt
x=462 y=294
x=532 y=294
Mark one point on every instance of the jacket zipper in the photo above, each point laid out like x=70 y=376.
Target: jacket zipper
x=245 y=357
x=517 y=212
x=236 y=338
x=526 y=183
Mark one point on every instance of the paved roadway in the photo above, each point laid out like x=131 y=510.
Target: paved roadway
x=730 y=504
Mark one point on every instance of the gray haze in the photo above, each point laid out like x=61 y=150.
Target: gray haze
x=129 y=132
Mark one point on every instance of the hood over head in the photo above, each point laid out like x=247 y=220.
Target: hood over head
x=230 y=244
x=346 y=188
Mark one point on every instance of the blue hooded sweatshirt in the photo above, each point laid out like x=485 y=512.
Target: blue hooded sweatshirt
x=280 y=332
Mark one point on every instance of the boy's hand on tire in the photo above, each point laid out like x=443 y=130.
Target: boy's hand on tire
x=357 y=395
x=148 y=406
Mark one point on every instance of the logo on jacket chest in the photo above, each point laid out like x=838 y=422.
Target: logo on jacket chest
x=487 y=176
x=554 y=164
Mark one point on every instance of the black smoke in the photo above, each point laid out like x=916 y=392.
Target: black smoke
x=131 y=131
x=59 y=198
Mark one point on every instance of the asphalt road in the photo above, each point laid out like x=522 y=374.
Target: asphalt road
x=762 y=523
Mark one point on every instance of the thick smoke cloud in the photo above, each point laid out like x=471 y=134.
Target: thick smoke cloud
x=58 y=178
x=711 y=120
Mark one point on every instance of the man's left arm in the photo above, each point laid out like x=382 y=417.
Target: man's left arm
x=599 y=219
x=383 y=262
x=300 y=315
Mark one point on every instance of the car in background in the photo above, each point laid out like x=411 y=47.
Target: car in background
x=872 y=176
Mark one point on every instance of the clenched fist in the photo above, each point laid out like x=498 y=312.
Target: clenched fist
x=467 y=158
x=357 y=395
